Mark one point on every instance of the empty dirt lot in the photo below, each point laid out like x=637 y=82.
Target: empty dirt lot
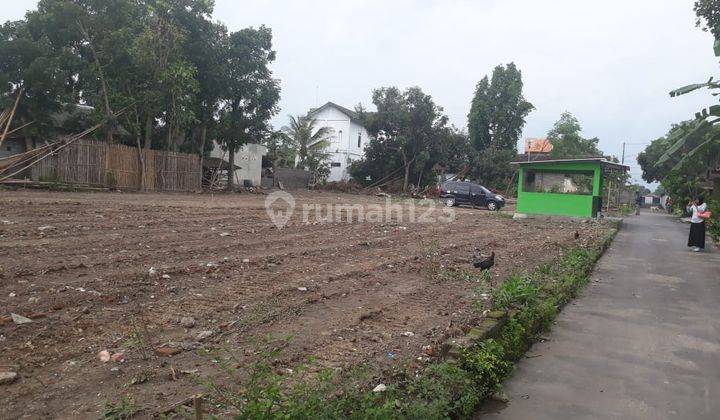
x=119 y=272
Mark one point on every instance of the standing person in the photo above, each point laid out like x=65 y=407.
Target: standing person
x=697 y=224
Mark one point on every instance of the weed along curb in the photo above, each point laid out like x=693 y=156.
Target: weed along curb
x=470 y=369
x=550 y=292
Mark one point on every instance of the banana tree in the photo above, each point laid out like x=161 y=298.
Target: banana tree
x=697 y=138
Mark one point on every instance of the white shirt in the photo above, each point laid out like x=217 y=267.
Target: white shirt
x=695 y=210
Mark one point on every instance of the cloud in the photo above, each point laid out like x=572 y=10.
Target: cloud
x=610 y=63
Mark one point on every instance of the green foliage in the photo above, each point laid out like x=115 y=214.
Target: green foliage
x=252 y=93
x=309 y=142
x=567 y=141
x=713 y=225
x=491 y=168
x=708 y=16
x=495 y=122
x=498 y=110
x=516 y=291
x=682 y=160
x=488 y=364
x=281 y=150
x=124 y=409
x=409 y=137
x=176 y=74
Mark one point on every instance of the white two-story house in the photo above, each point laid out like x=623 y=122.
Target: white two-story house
x=347 y=141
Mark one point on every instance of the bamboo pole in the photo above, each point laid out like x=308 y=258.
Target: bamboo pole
x=10 y=117
x=68 y=142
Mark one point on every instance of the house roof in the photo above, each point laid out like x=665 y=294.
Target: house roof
x=604 y=162
x=217 y=163
x=352 y=114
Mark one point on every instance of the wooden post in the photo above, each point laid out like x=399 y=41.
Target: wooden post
x=197 y=405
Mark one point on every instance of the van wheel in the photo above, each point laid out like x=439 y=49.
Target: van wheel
x=492 y=206
x=450 y=202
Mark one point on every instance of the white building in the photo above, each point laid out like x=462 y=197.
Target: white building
x=347 y=141
x=248 y=158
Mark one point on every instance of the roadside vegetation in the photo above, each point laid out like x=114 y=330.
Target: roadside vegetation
x=524 y=306
x=686 y=161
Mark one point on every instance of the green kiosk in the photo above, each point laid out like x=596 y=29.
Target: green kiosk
x=563 y=187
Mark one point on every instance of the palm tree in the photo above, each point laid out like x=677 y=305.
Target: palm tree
x=310 y=145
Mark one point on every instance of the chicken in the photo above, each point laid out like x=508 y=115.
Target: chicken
x=486 y=263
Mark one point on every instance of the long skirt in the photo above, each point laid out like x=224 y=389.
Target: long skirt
x=697 y=235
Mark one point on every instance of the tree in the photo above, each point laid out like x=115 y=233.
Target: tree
x=492 y=167
x=495 y=122
x=39 y=70
x=281 y=151
x=251 y=93
x=406 y=124
x=308 y=142
x=567 y=141
x=680 y=175
x=178 y=76
x=498 y=110
x=205 y=48
x=451 y=151
x=708 y=16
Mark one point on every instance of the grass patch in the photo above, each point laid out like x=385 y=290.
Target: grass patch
x=448 y=389
x=122 y=410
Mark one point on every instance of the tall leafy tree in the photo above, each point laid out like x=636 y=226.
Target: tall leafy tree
x=708 y=16
x=40 y=69
x=495 y=122
x=251 y=93
x=498 y=110
x=281 y=150
x=406 y=124
x=567 y=141
x=683 y=159
x=205 y=47
x=178 y=76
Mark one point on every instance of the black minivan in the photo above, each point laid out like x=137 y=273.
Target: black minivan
x=454 y=193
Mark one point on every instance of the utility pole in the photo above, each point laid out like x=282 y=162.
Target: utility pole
x=623 y=154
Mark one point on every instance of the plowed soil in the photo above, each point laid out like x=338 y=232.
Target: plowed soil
x=118 y=272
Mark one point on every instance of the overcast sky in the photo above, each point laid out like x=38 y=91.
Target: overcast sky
x=610 y=63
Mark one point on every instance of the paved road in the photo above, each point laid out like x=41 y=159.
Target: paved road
x=642 y=342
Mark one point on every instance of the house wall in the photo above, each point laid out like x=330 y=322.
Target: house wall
x=248 y=158
x=343 y=141
x=12 y=146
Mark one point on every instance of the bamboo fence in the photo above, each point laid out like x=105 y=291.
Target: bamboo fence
x=96 y=163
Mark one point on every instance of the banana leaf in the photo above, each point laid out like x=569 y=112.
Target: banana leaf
x=684 y=137
x=694 y=151
x=687 y=89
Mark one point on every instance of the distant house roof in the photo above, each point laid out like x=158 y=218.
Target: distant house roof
x=217 y=163
x=352 y=114
x=538 y=146
x=601 y=160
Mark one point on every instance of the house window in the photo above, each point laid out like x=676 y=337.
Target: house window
x=335 y=164
x=359 y=138
x=9 y=148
